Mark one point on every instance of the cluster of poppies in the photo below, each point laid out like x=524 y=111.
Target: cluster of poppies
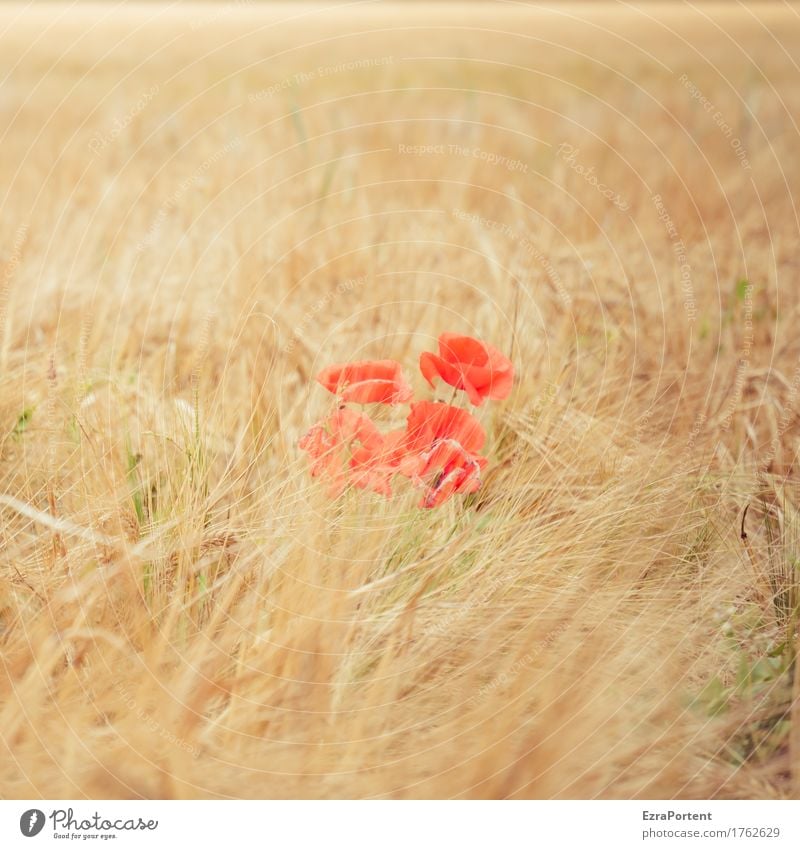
x=437 y=450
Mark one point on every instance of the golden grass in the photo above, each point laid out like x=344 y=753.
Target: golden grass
x=190 y=230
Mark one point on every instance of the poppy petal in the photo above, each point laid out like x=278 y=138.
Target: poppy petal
x=367 y=382
x=463 y=349
x=433 y=366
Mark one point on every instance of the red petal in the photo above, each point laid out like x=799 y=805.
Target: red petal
x=367 y=381
x=473 y=394
x=463 y=349
x=430 y=420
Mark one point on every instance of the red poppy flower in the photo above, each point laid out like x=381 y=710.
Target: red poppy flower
x=367 y=382
x=321 y=448
x=448 y=469
x=373 y=465
x=441 y=446
x=329 y=443
x=349 y=426
x=469 y=364
x=438 y=450
x=430 y=421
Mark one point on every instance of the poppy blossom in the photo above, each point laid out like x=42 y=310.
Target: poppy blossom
x=469 y=364
x=329 y=443
x=372 y=466
x=367 y=382
x=348 y=426
x=320 y=447
x=437 y=450
x=443 y=441
x=430 y=421
x=448 y=469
